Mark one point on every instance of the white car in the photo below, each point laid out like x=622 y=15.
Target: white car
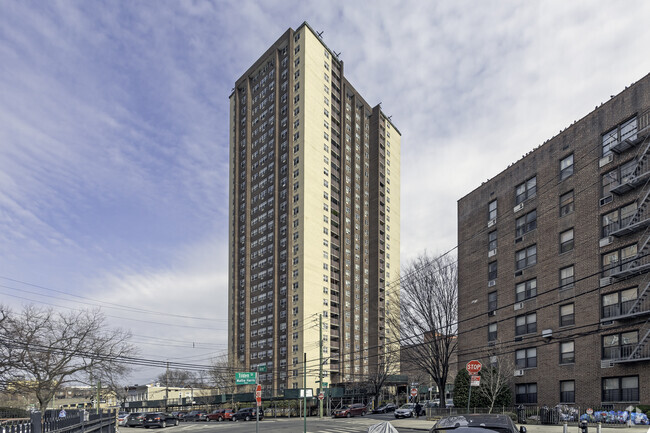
x=405 y=411
x=122 y=417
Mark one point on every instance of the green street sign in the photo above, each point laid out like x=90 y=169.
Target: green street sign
x=261 y=368
x=325 y=384
x=245 y=378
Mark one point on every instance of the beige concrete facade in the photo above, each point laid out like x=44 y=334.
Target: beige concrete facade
x=314 y=218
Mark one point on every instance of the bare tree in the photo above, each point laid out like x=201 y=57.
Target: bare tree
x=496 y=377
x=50 y=350
x=222 y=372
x=387 y=366
x=428 y=299
x=177 y=378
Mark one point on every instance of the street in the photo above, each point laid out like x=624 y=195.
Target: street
x=295 y=425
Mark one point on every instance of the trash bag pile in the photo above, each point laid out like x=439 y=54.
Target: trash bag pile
x=616 y=417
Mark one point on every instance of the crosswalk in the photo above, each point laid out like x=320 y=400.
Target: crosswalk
x=353 y=425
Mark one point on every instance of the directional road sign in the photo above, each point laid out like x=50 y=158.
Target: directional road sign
x=246 y=378
x=258 y=395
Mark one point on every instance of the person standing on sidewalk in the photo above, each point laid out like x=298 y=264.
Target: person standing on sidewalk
x=418 y=408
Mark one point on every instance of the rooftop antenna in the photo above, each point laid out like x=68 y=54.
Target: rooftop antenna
x=337 y=54
x=320 y=34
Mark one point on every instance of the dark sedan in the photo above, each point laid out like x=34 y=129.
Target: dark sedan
x=476 y=423
x=386 y=408
x=196 y=415
x=247 y=414
x=135 y=419
x=159 y=419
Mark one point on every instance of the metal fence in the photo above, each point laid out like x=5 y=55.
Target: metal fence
x=76 y=422
x=614 y=415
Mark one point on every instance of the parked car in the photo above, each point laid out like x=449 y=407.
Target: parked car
x=386 y=408
x=449 y=402
x=432 y=403
x=350 y=410
x=406 y=410
x=475 y=423
x=228 y=413
x=196 y=415
x=159 y=419
x=121 y=418
x=135 y=419
x=220 y=414
x=247 y=414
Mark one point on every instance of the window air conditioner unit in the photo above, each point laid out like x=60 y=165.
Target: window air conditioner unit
x=519 y=306
x=605 y=160
x=492 y=253
x=605 y=281
x=606 y=241
x=606 y=364
x=603 y=201
x=519 y=239
x=491 y=283
x=492 y=313
x=519 y=273
x=517 y=208
x=519 y=373
x=492 y=222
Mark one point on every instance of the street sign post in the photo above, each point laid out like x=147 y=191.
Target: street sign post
x=246 y=378
x=475 y=381
x=414 y=392
x=261 y=368
x=472 y=367
x=321 y=396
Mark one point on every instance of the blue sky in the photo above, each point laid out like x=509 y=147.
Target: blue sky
x=114 y=131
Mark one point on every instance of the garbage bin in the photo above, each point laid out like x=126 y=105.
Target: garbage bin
x=543 y=415
x=521 y=414
x=583 y=426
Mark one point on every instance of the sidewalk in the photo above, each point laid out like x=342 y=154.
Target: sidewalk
x=425 y=425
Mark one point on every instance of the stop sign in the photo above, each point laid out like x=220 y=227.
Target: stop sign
x=321 y=396
x=258 y=395
x=473 y=367
x=414 y=392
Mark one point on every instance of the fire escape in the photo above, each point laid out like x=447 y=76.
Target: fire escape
x=635 y=178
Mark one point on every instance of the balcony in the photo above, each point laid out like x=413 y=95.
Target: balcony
x=628 y=353
x=634 y=137
x=628 y=309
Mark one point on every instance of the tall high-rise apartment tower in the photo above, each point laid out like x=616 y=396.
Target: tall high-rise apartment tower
x=314 y=224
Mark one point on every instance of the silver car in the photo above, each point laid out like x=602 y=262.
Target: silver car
x=405 y=411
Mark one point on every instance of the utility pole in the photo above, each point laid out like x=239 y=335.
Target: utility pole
x=320 y=368
x=99 y=388
x=304 y=390
x=167 y=388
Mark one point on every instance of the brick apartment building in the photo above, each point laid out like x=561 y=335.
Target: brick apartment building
x=560 y=240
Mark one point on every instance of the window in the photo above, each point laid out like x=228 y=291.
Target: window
x=526 y=358
x=492 y=270
x=624 y=388
x=526 y=223
x=492 y=301
x=492 y=210
x=526 y=190
x=607 y=182
x=567 y=315
x=618 y=260
x=492 y=332
x=567 y=352
x=566 y=277
x=567 y=391
x=618 y=303
x=566 y=241
x=526 y=324
x=492 y=240
x=621 y=345
x=566 y=167
x=526 y=393
x=618 y=218
x=526 y=257
x=566 y=203
x=526 y=290
x=624 y=131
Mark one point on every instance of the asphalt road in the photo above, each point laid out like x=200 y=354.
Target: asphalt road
x=285 y=425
